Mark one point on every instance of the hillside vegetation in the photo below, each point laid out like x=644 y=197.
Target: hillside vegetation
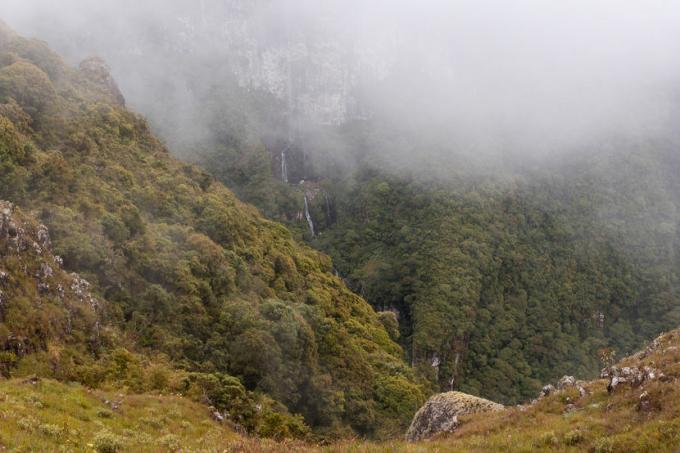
x=182 y=269
x=500 y=279
x=640 y=415
x=502 y=275
x=502 y=285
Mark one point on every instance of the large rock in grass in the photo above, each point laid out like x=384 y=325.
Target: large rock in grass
x=440 y=414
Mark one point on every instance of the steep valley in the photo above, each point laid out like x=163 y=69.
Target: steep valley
x=289 y=252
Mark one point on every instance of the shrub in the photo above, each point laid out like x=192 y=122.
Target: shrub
x=28 y=423
x=159 y=377
x=107 y=442
x=115 y=229
x=280 y=426
x=548 y=439
x=153 y=422
x=7 y=360
x=104 y=413
x=170 y=441
x=573 y=437
x=28 y=85
x=603 y=445
x=225 y=392
x=51 y=430
x=390 y=322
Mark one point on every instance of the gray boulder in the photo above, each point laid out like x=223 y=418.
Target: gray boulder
x=547 y=390
x=566 y=382
x=632 y=376
x=440 y=414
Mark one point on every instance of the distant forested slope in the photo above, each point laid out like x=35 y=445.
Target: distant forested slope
x=504 y=284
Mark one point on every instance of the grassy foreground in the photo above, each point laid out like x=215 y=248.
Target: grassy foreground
x=52 y=416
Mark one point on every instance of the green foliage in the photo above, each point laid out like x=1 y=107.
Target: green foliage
x=179 y=268
x=573 y=437
x=548 y=439
x=390 y=322
x=508 y=285
x=8 y=360
x=603 y=445
x=27 y=85
x=279 y=426
x=107 y=442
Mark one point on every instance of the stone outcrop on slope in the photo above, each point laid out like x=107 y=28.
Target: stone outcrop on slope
x=39 y=301
x=440 y=414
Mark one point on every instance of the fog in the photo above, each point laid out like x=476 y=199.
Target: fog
x=429 y=79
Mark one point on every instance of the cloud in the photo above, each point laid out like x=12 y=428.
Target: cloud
x=456 y=78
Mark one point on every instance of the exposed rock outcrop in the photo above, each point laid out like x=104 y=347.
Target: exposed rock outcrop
x=32 y=281
x=632 y=376
x=440 y=414
x=548 y=389
x=565 y=382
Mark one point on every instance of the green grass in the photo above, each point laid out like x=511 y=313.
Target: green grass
x=50 y=416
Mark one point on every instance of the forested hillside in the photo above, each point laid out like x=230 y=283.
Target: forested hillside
x=504 y=284
x=185 y=270
x=502 y=271
x=502 y=276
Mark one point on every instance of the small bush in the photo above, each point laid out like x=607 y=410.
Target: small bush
x=28 y=423
x=603 y=445
x=185 y=424
x=573 y=437
x=35 y=402
x=7 y=360
x=153 y=422
x=390 y=322
x=51 y=430
x=549 y=438
x=159 y=377
x=107 y=442
x=170 y=441
x=104 y=413
x=282 y=426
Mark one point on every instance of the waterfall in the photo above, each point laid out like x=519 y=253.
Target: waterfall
x=284 y=165
x=328 y=210
x=308 y=216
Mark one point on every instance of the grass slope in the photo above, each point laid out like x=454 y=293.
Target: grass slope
x=599 y=422
x=51 y=416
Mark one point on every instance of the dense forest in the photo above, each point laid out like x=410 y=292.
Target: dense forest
x=502 y=286
x=502 y=283
x=502 y=275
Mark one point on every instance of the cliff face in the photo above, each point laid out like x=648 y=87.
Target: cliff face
x=314 y=66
